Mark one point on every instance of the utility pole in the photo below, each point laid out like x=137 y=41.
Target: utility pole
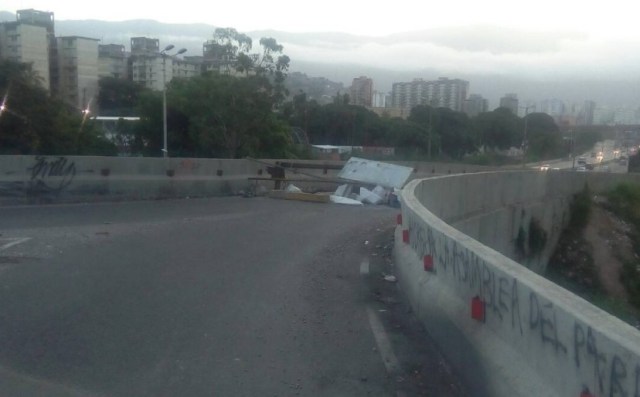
x=524 y=138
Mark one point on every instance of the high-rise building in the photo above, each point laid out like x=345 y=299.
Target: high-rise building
x=587 y=113
x=153 y=69
x=144 y=45
x=475 y=105
x=46 y=20
x=510 y=101
x=78 y=70
x=379 y=99
x=112 y=61
x=553 y=107
x=361 y=91
x=444 y=92
x=186 y=68
x=24 y=43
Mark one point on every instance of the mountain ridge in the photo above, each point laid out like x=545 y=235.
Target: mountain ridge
x=383 y=58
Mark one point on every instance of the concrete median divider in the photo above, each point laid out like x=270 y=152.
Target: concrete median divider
x=506 y=329
x=49 y=179
x=60 y=179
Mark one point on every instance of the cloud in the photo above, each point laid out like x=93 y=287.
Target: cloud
x=484 y=50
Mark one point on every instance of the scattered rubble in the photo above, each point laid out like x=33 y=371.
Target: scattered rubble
x=386 y=180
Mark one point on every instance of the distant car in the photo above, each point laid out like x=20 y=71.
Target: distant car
x=589 y=167
x=581 y=169
x=544 y=167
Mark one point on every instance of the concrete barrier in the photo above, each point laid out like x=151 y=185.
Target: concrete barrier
x=509 y=331
x=55 y=179
x=81 y=178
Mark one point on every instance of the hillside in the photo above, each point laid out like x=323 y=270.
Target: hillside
x=594 y=261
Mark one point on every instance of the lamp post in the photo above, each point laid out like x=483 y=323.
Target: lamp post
x=165 y=150
x=524 y=137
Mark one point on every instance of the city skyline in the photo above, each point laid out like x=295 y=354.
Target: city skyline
x=570 y=103
x=545 y=42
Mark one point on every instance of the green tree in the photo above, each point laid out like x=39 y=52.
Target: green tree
x=426 y=116
x=32 y=122
x=118 y=97
x=499 y=129
x=217 y=115
x=543 y=137
x=455 y=131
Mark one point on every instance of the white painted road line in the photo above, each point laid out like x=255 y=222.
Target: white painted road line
x=12 y=241
x=384 y=345
x=380 y=335
x=364 y=267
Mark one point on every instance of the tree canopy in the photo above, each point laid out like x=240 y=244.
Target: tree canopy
x=32 y=122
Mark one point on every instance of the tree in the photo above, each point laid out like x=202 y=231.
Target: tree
x=499 y=129
x=454 y=129
x=32 y=122
x=543 y=136
x=217 y=115
x=118 y=97
x=225 y=46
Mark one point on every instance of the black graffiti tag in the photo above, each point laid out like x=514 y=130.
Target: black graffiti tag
x=52 y=176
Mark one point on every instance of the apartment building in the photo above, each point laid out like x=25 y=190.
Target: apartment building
x=186 y=68
x=443 y=92
x=510 y=101
x=144 y=46
x=78 y=70
x=475 y=105
x=21 y=42
x=361 y=91
x=153 y=69
x=112 y=61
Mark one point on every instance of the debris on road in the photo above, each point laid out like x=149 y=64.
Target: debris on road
x=343 y=200
x=371 y=182
x=315 y=198
x=375 y=173
x=291 y=188
x=390 y=278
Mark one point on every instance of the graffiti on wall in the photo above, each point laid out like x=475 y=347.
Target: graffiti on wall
x=50 y=175
x=522 y=314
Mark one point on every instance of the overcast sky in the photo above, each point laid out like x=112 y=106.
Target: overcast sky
x=541 y=39
x=613 y=18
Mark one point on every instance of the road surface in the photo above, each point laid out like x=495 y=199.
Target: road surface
x=209 y=297
x=608 y=162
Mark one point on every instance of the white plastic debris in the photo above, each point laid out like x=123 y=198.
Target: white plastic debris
x=293 y=189
x=375 y=173
x=390 y=278
x=367 y=196
x=340 y=191
x=382 y=193
x=343 y=200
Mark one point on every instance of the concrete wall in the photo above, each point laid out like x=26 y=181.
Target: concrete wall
x=536 y=339
x=49 y=179
x=77 y=178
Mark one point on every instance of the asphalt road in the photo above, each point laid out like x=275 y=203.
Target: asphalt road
x=608 y=163
x=210 y=297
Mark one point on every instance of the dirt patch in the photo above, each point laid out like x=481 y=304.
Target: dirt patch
x=608 y=236
x=590 y=262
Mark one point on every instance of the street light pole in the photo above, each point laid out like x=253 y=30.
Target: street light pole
x=524 y=138
x=573 y=145
x=165 y=149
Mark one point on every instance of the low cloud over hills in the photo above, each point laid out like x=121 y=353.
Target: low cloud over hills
x=568 y=65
